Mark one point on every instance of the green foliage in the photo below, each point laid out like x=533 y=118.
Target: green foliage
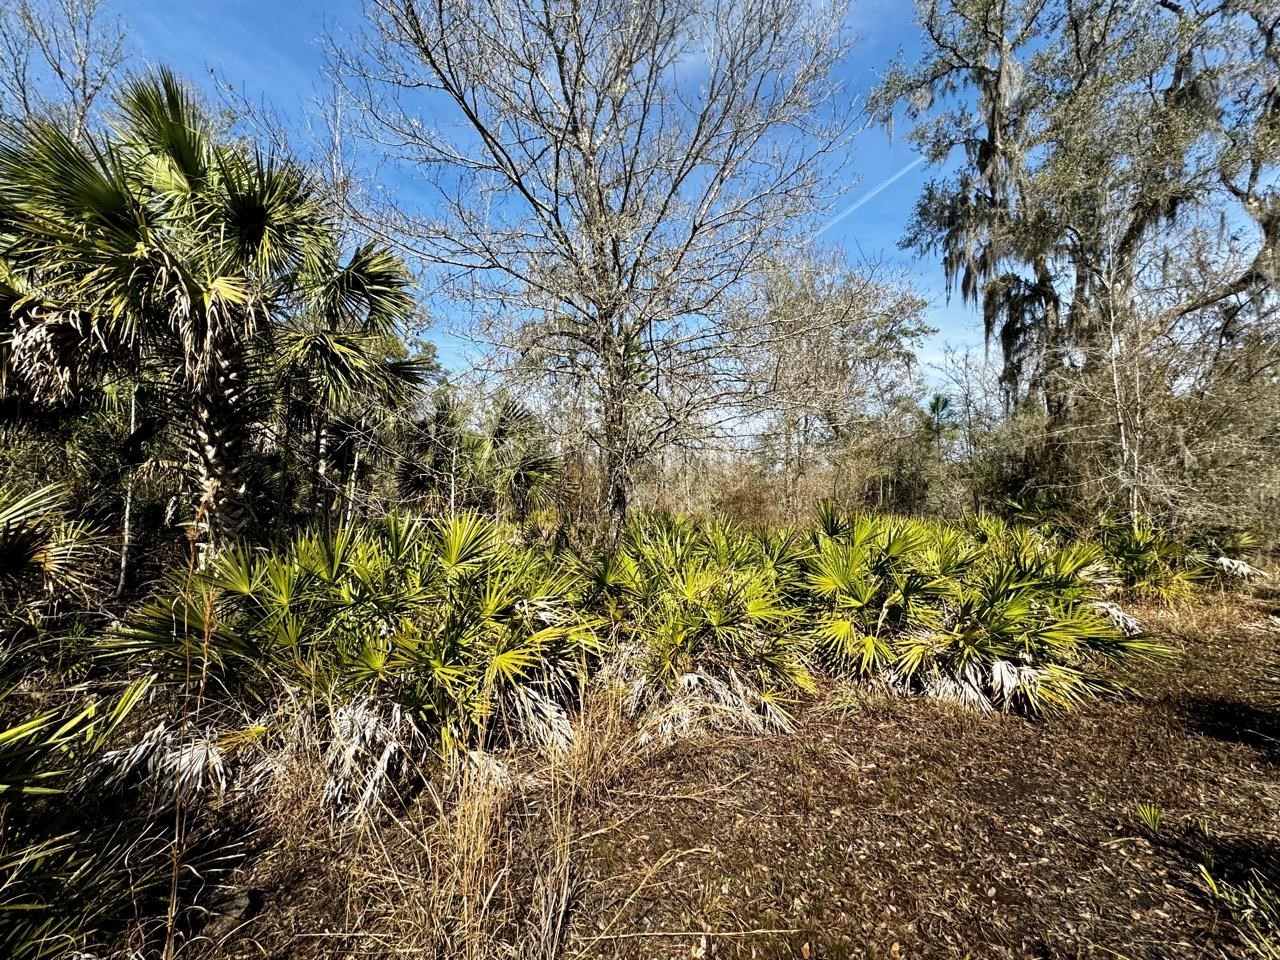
x=44 y=556
x=1254 y=908
x=475 y=637
x=448 y=620
x=504 y=463
x=999 y=616
x=1149 y=561
x=872 y=581
x=1151 y=816
x=207 y=272
x=702 y=623
x=385 y=645
x=995 y=615
x=59 y=876
x=62 y=874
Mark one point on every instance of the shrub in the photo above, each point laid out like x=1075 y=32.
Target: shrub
x=66 y=868
x=719 y=626
x=870 y=581
x=702 y=632
x=409 y=638
x=401 y=634
x=997 y=616
x=1151 y=563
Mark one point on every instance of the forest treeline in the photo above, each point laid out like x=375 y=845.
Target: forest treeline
x=255 y=528
x=239 y=334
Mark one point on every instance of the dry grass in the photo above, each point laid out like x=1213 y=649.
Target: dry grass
x=487 y=865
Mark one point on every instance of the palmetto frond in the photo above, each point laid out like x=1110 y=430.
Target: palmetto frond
x=342 y=370
x=1149 y=562
x=59 y=880
x=38 y=547
x=37 y=753
x=368 y=294
x=998 y=615
x=709 y=637
x=161 y=121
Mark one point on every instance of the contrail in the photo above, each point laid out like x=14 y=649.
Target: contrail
x=872 y=194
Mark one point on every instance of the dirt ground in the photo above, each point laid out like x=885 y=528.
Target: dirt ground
x=907 y=828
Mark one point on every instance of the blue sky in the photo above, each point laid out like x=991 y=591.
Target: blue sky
x=271 y=49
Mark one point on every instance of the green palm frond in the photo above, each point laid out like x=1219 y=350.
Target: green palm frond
x=1149 y=562
x=38 y=546
x=831 y=519
x=368 y=294
x=160 y=118
x=465 y=540
x=66 y=194
x=845 y=643
x=269 y=209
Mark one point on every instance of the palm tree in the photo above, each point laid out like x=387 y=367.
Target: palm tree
x=162 y=253
x=341 y=367
x=521 y=468
x=506 y=465
x=939 y=409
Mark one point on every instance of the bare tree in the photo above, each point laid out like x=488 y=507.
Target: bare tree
x=827 y=358
x=606 y=173
x=56 y=58
x=1178 y=412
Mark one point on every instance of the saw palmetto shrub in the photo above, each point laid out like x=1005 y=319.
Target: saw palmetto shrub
x=73 y=857
x=401 y=640
x=702 y=630
x=412 y=638
x=994 y=615
x=378 y=654
x=1021 y=628
x=1150 y=562
x=709 y=625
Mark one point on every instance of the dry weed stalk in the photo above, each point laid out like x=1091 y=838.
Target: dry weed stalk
x=485 y=864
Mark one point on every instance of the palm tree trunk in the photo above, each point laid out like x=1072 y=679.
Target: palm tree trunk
x=319 y=471
x=221 y=444
x=351 y=480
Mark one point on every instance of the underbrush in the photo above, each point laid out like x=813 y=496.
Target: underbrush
x=1253 y=904
x=387 y=701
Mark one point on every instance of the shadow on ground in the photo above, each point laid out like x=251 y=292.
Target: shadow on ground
x=906 y=829
x=1232 y=720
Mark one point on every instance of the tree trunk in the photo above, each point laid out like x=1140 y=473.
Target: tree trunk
x=219 y=511
x=126 y=531
x=319 y=472
x=617 y=490
x=221 y=442
x=615 y=440
x=352 y=480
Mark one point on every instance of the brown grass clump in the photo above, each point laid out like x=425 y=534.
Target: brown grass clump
x=486 y=864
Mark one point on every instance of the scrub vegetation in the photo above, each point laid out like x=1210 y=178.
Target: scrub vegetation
x=687 y=612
